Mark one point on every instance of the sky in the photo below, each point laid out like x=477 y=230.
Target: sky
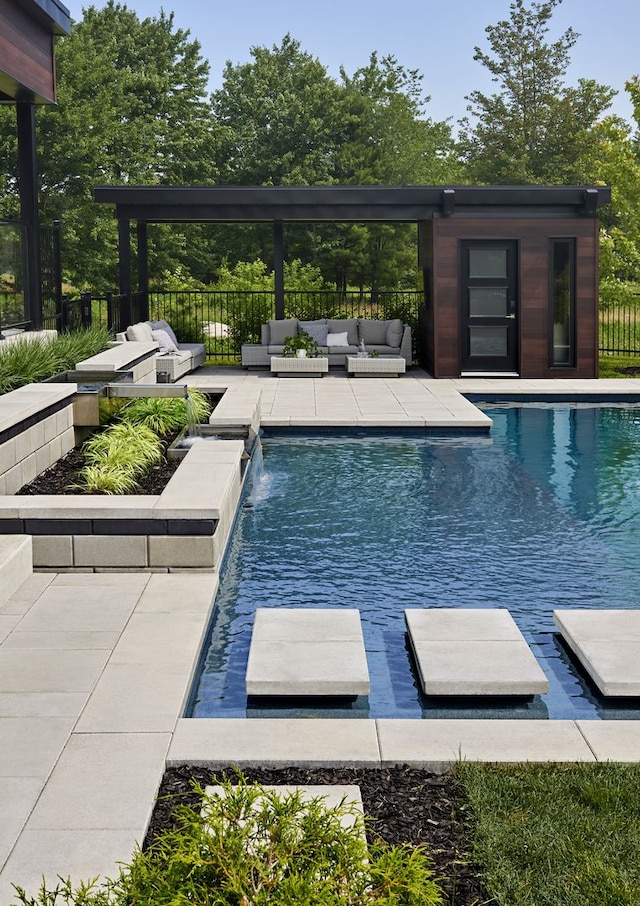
x=436 y=37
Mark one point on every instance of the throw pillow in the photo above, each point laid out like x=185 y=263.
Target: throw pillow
x=163 y=325
x=374 y=332
x=395 y=330
x=139 y=333
x=317 y=330
x=280 y=330
x=337 y=339
x=348 y=324
x=164 y=341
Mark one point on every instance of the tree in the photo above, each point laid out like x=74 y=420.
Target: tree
x=280 y=115
x=535 y=129
x=132 y=108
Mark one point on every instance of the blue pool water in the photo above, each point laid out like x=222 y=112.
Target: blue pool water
x=542 y=513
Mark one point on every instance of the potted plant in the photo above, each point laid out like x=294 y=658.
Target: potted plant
x=301 y=345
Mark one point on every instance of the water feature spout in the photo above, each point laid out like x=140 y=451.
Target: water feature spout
x=133 y=391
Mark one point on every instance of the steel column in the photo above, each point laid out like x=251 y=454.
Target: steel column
x=28 y=182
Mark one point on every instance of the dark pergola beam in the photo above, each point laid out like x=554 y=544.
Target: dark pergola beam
x=29 y=215
x=278 y=267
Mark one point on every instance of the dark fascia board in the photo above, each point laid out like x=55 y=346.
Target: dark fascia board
x=339 y=203
x=55 y=14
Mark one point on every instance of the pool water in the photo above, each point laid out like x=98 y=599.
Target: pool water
x=542 y=513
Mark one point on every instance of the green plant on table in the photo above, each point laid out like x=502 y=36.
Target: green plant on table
x=251 y=846
x=300 y=341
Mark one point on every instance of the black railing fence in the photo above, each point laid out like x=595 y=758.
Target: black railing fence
x=226 y=320
x=620 y=329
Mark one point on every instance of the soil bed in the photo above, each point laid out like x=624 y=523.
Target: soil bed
x=403 y=806
x=64 y=477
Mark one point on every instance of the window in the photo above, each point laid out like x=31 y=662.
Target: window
x=563 y=302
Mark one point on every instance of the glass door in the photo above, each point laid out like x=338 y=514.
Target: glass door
x=489 y=304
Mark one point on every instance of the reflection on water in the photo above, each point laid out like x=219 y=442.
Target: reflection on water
x=545 y=513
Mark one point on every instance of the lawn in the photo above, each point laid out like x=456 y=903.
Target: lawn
x=556 y=835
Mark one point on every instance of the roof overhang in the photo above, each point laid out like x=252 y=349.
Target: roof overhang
x=342 y=204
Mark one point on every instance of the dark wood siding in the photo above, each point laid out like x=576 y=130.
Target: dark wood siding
x=26 y=56
x=533 y=237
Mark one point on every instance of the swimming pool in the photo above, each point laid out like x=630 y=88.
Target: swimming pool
x=544 y=512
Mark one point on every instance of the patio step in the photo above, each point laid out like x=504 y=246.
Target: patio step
x=607 y=643
x=307 y=651
x=16 y=563
x=475 y=652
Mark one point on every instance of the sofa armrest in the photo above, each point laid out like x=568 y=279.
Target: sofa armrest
x=121 y=337
x=406 y=350
x=264 y=335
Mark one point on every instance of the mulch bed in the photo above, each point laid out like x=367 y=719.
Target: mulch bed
x=64 y=476
x=403 y=805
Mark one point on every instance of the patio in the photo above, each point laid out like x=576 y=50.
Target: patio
x=95 y=668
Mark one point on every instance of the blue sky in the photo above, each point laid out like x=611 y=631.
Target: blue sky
x=437 y=37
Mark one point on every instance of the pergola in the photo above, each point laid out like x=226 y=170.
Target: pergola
x=321 y=204
x=27 y=79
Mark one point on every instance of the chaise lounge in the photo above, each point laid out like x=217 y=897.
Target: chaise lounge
x=336 y=337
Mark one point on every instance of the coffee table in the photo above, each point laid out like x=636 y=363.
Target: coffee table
x=305 y=366
x=376 y=366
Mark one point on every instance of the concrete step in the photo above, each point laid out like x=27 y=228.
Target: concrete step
x=472 y=651
x=607 y=643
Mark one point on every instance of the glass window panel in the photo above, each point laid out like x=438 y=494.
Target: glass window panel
x=488 y=341
x=487 y=303
x=487 y=263
x=562 y=302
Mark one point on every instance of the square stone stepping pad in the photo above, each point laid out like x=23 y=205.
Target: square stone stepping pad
x=475 y=652
x=307 y=651
x=332 y=795
x=607 y=644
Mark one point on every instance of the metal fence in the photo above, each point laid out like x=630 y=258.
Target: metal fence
x=226 y=320
x=620 y=330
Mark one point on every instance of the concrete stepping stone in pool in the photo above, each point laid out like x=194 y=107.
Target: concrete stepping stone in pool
x=307 y=651
x=476 y=652
x=607 y=644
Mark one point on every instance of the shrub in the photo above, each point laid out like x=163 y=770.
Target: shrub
x=28 y=361
x=117 y=456
x=255 y=846
x=167 y=415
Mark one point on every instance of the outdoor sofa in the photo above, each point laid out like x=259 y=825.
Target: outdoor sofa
x=173 y=359
x=337 y=338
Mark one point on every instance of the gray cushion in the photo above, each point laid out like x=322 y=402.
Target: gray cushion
x=139 y=333
x=395 y=329
x=374 y=332
x=163 y=325
x=348 y=324
x=164 y=341
x=280 y=330
x=317 y=330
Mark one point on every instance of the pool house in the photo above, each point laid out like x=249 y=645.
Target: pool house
x=510 y=273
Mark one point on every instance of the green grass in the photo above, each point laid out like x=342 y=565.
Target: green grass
x=550 y=835
x=611 y=366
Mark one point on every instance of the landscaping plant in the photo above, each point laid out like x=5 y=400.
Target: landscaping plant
x=252 y=846
x=29 y=361
x=169 y=414
x=117 y=456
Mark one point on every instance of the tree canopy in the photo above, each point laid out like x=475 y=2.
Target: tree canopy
x=534 y=128
x=134 y=108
